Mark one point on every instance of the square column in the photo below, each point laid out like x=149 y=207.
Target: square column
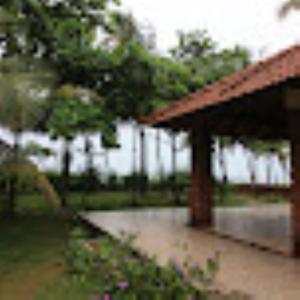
x=200 y=196
x=292 y=104
x=295 y=185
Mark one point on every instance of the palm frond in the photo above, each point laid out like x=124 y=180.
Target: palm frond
x=287 y=7
x=27 y=171
x=24 y=88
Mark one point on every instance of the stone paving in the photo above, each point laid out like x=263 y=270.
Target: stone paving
x=260 y=273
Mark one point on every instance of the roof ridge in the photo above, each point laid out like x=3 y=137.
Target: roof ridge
x=231 y=82
x=256 y=67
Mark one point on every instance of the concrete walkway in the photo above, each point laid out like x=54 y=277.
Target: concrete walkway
x=261 y=274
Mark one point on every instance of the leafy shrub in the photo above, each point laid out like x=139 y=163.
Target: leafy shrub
x=112 y=270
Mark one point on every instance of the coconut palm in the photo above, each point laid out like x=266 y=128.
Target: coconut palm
x=26 y=172
x=24 y=87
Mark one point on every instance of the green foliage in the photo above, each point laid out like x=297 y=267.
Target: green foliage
x=23 y=86
x=193 y=44
x=201 y=55
x=110 y=268
x=28 y=177
x=40 y=24
x=78 y=110
x=287 y=7
x=173 y=80
x=131 y=88
x=33 y=149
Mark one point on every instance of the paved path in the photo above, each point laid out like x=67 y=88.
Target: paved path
x=262 y=274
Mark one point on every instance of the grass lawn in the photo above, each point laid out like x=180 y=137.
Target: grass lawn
x=100 y=267
x=39 y=261
x=35 y=203
x=31 y=254
x=32 y=246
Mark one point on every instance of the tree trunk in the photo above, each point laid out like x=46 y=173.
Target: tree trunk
x=269 y=171
x=88 y=171
x=12 y=183
x=106 y=161
x=159 y=161
x=251 y=166
x=143 y=164
x=12 y=193
x=134 y=166
x=174 y=188
x=223 y=168
x=65 y=173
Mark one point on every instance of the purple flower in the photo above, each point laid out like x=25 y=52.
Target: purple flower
x=186 y=279
x=106 y=297
x=123 y=285
x=177 y=266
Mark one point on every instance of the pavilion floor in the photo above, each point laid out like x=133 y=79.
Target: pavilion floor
x=251 y=270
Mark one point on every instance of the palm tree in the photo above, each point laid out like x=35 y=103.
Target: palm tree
x=24 y=87
x=26 y=172
x=287 y=7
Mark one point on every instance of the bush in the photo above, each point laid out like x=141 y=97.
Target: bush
x=112 y=270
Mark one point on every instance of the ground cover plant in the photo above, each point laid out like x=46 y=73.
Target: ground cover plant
x=105 y=268
x=40 y=259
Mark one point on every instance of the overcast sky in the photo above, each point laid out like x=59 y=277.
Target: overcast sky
x=251 y=23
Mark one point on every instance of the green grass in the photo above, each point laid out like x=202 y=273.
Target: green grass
x=110 y=267
x=32 y=245
x=35 y=203
x=31 y=254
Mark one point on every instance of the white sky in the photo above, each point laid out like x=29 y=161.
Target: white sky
x=251 y=23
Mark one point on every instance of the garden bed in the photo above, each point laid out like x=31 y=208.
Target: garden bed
x=101 y=267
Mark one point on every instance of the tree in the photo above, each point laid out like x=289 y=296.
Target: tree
x=223 y=144
x=204 y=62
x=39 y=24
x=173 y=80
x=200 y=53
x=160 y=168
x=273 y=150
x=78 y=111
x=25 y=173
x=287 y=7
x=64 y=34
x=23 y=89
x=283 y=156
x=130 y=92
x=255 y=150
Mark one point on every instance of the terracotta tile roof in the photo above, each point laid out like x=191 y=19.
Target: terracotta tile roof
x=269 y=72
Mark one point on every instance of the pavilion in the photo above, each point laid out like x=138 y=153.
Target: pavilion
x=261 y=101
